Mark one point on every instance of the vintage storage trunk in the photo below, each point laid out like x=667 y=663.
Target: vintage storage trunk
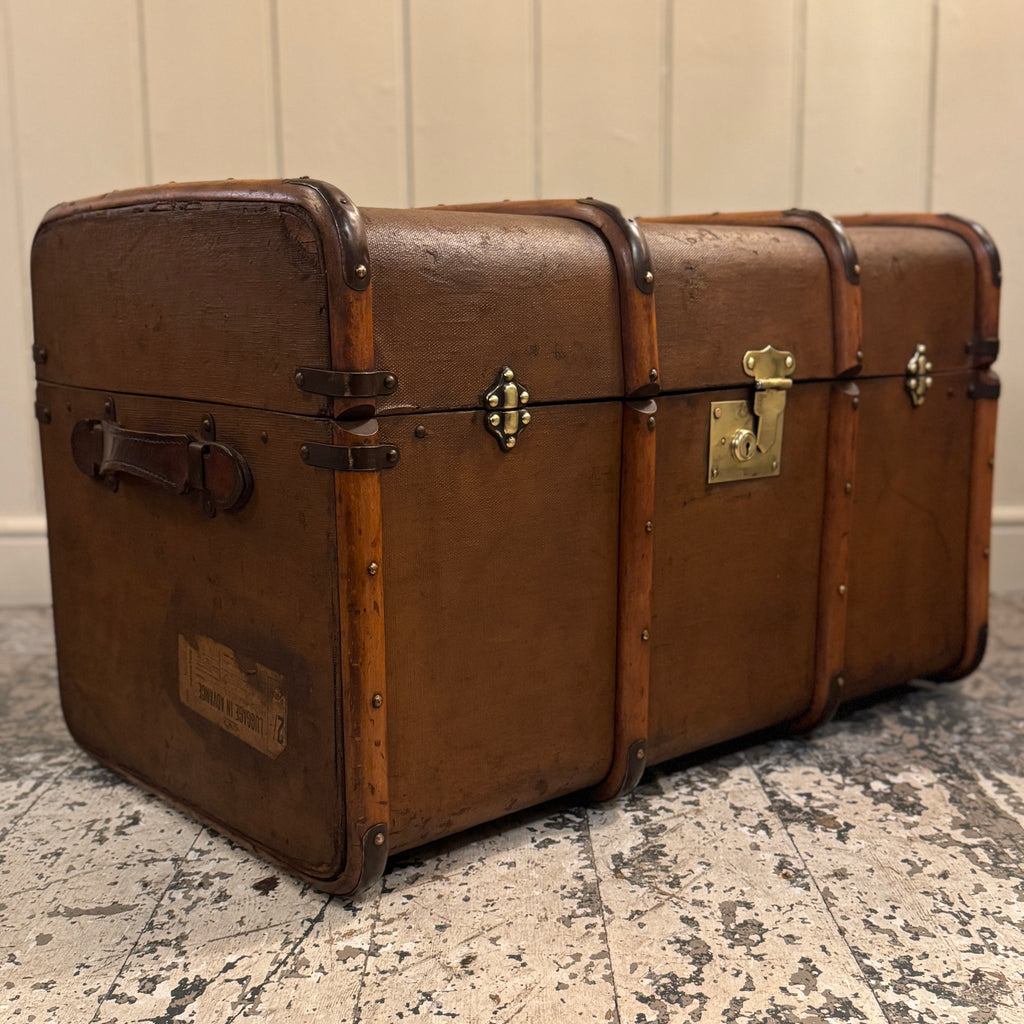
x=366 y=527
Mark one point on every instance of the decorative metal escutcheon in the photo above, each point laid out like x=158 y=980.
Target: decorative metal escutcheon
x=745 y=438
x=506 y=417
x=919 y=380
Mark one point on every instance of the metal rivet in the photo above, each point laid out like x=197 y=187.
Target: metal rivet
x=651 y=422
x=653 y=375
x=718 y=414
x=492 y=401
x=842 y=589
x=378 y=839
x=640 y=755
x=860 y=355
x=508 y=374
x=361 y=270
x=524 y=397
x=649 y=277
x=510 y=442
x=108 y=407
x=377 y=700
x=750 y=362
x=207 y=423
x=789 y=361
x=848 y=487
x=420 y=431
x=300 y=379
x=714 y=472
x=649 y=526
x=856 y=403
x=840 y=682
x=390 y=382
x=373 y=568
x=721 y=440
x=494 y=419
x=525 y=418
x=775 y=464
x=304 y=451
x=856 y=268
x=392 y=455
x=264 y=436
x=645 y=635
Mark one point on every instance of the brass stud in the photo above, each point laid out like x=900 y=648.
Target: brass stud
x=842 y=589
x=510 y=442
x=378 y=839
x=751 y=362
x=840 y=682
x=492 y=401
x=718 y=413
x=525 y=418
x=856 y=268
x=789 y=362
x=420 y=431
x=714 y=472
x=373 y=568
x=494 y=419
x=651 y=422
x=653 y=375
x=848 y=487
x=377 y=700
x=649 y=526
x=640 y=753
x=361 y=271
x=390 y=382
x=524 y=397
x=645 y=635
x=508 y=374
x=392 y=455
x=207 y=423
x=299 y=379
x=108 y=407
x=860 y=355
x=649 y=278
x=304 y=452
x=775 y=464
x=856 y=402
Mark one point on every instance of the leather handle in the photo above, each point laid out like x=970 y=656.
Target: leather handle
x=172 y=462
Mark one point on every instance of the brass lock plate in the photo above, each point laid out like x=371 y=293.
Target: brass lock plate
x=745 y=438
x=733 y=453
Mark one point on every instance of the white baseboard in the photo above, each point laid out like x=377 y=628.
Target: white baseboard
x=24 y=561
x=25 y=564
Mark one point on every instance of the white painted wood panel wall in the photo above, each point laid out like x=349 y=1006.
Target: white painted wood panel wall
x=657 y=105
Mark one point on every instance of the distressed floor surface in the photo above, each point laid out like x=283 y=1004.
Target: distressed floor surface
x=870 y=872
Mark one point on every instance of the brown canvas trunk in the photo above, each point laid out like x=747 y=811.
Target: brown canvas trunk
x=367 y=527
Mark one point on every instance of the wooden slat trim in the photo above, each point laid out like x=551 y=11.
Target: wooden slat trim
x=844 y=271
x=834 y=564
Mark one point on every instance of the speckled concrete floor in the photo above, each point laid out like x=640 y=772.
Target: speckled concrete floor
x=871 y=872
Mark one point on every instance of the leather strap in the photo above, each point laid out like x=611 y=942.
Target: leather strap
x=172 y=462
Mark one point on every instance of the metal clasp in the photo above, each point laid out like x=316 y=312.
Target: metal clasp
x=506 y=416
x=919 y=379
x=745 y=441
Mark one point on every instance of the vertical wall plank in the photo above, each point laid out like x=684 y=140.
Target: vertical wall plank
x=20 y=494
x=601 y=99
x=472 y=112
x=210 y=81
x=734 y=105
x=867 y=108
x=979 y=153
x=342 y=96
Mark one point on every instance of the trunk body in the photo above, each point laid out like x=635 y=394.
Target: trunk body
x=367 y=527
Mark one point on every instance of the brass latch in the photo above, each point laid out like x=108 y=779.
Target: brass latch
x=746 y=443
x=505 y=416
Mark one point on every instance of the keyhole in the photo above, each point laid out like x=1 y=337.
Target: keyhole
x=743 y=445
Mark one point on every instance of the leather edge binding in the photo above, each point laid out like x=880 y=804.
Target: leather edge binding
x=643 y=275
x=987 y=243
x=851 y=266
x=967 y=666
